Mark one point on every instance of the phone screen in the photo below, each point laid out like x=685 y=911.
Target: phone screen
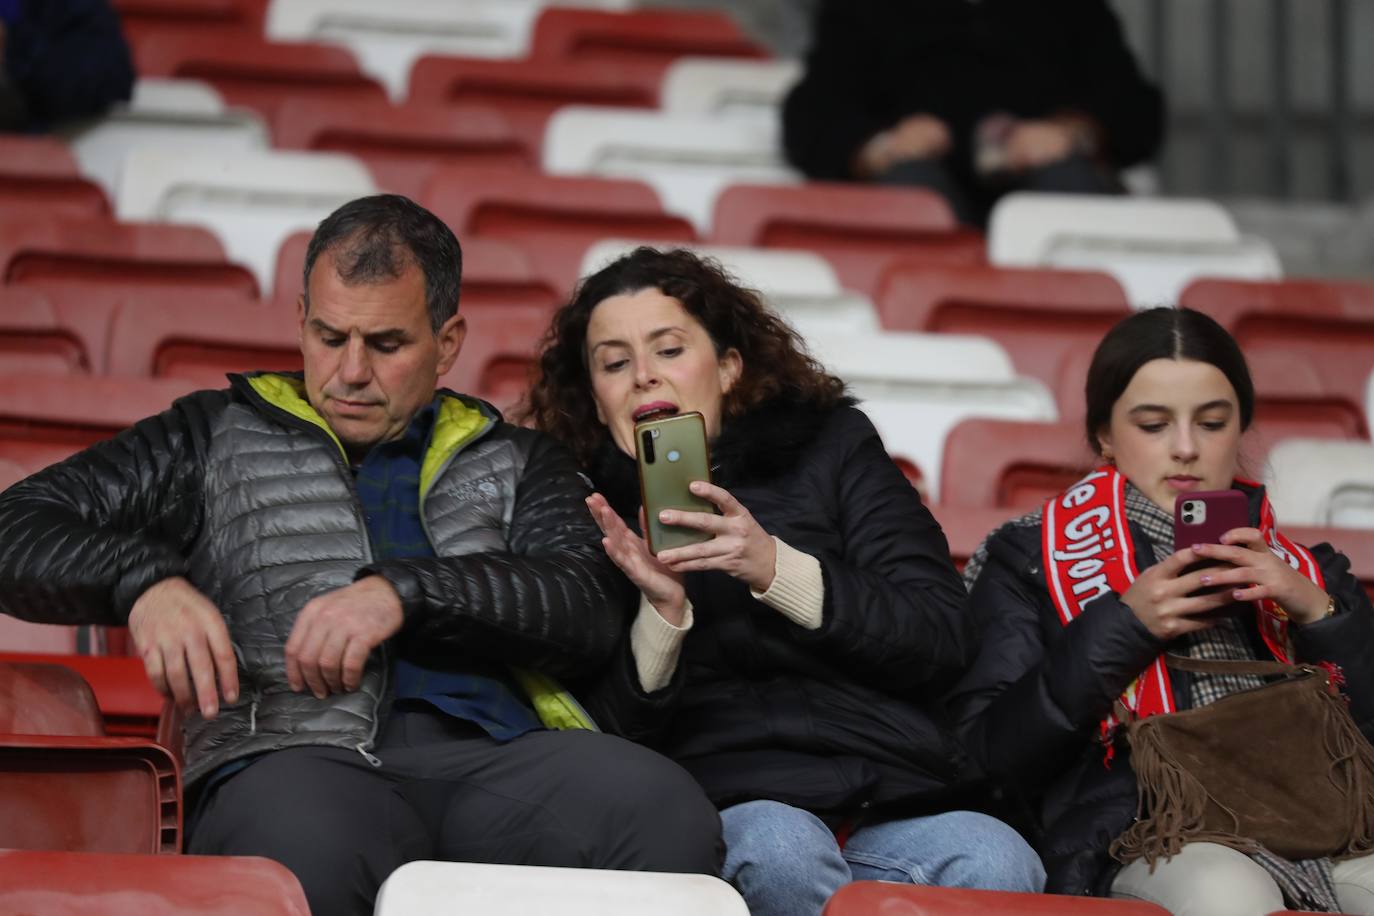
x=671 y=453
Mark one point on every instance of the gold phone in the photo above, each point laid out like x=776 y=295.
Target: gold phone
x=671 y=453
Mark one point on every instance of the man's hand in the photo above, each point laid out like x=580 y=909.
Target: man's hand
x=335 y=633
x=184 y=644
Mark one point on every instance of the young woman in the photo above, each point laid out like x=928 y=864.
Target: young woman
x=792 y=661
x=1168 y=398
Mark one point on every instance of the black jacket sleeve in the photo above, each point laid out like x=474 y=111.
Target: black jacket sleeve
x=895 y=613
x=552 y=601
x=833 y=110
x=81 y=540
x=1345 y=639
x=1032 y=698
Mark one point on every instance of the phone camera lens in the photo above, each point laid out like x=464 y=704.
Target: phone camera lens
x=1188 y=517
x=647 y=441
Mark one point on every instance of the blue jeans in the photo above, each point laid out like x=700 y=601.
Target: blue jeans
x=785 y=861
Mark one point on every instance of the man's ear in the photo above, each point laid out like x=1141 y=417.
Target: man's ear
x=451 y=335
x=301 y=311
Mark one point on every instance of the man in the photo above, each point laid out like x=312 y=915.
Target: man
x=361 y=589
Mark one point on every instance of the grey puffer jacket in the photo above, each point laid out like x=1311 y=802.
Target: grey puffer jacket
x=247 y=494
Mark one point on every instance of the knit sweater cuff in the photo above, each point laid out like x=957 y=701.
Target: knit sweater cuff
x=656 y=645
x=798 y=589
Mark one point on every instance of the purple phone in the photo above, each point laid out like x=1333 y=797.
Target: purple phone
x=1203 y=517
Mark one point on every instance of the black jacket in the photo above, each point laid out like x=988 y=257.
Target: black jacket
x=1030 y=707
x=873 y=62
x=833 y=719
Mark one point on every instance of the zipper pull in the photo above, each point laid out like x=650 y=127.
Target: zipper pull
x=368 y=756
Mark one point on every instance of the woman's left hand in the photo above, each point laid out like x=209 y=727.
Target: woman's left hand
x=1259 y=574
x=739 y=545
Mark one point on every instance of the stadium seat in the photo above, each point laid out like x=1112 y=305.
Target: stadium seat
x=498 y=353
x=799 y=285
x=1322 y=483
x=402 y=146
x=642 y=35
x=689 y=159
x=1229 y=301
x=139 y=18
x=553 y=218
x=916 y=387
x=165 y=114
x=966 y=527
x=252 y=200
x=128 y=704
x=32 y=338
x=39 y=174
x=1042 y=317
x=44 y=419
x=432 y=888
x=64 y=785
x=1155 y=246
x=152 y=336
x=527 y=92
x=76 y=884
x=1009 y=463
x=716 y=87
x=495 y=274
x=869 y=898
x=83 y=266
x=250 y=71
x=860 y=230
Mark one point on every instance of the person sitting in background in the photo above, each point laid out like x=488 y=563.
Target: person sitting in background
x=60 y=60
x=971 y=99
x=1168 y=398
x=360 y=588
x=792 y=661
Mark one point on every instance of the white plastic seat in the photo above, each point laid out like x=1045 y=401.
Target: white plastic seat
x=251 y=199
x=719 y=87
x=1322 y=482
x=1155 y=271
x=800 y=285
x=1025 y=225
x=433 y=888
x=163 y=114
x=916 y=387
x=687 y=158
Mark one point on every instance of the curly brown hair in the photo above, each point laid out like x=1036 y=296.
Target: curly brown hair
x=775 y=361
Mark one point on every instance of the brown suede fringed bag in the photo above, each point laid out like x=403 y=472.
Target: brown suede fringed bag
x=1280 y=766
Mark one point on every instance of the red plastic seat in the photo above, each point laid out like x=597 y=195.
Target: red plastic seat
x=403 y=145
x=1042 y=317
x=1007 y=463
x=32 y=338
x=38 y=174
x=77 y=884
x=1229 y=300
x=495 y=273
x=966 y=527
x=553 y=218
x=527 y=92
x=860 y=230
x=64 y=785
x=870 y=898
x=140 y=18
x=259 y=74
x=657 y=35
x=128 y=704
x=84 y=266
x=155 y=335
x=43 y=419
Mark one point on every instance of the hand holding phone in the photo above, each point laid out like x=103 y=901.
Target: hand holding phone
x=671 y=453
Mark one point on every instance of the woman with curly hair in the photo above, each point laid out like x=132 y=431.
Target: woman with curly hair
x=790 y=662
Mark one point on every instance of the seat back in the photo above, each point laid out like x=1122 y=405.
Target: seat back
x=38 y=174
x=152 y=336
x=46 y=699
x=726 y=87
x=430 y=888
x=1012 y=464
x=1322 y=482
x=1230 y=301
x=864 y=898
x=641 y=35
x=33 y=339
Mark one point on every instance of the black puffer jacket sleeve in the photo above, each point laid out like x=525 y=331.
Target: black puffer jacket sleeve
x=895 y=613
x=1345 y=639
x=81 y=540
x=1037 y=690
x=620 y=705
x=553 y=601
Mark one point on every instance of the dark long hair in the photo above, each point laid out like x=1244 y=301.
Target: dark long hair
x=1161 y=333
x=775 y=361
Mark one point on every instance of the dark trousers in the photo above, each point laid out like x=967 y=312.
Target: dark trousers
x=447 y=791
x=971 y=197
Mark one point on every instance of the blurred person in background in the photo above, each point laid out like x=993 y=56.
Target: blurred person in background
x=972 y=99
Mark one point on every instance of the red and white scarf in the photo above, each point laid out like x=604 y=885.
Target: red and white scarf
x=1087 y=550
